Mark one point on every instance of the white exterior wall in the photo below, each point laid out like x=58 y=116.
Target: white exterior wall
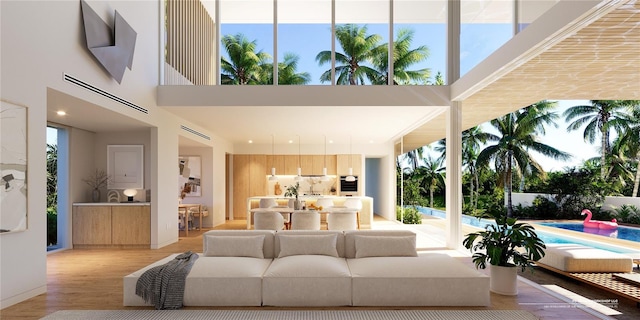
x=42 y=40
x=610 y=203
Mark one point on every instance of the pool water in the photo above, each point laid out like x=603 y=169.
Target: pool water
x=547 y=237
x=622 y=232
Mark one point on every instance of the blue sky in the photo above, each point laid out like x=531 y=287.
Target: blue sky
x=306 y=40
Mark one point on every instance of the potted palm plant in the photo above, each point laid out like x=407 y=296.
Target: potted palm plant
x=505 y=245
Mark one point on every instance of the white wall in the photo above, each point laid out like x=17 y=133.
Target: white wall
x=42 y=40
x=612 y=203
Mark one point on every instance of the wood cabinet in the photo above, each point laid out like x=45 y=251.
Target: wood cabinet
x=91 y=225
x=98 y=226
x=241 y=179
x=345 y=160
x=130 y=225
x=290 y=164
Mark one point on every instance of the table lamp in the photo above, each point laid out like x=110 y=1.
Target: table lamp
x=130 y=193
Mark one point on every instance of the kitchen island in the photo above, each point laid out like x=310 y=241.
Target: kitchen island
x=366 y=213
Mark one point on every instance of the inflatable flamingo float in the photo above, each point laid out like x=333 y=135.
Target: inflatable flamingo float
x=597 y=224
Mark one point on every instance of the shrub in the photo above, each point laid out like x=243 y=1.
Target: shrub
x=410 y=215
x=52 y=227
x=627 y=214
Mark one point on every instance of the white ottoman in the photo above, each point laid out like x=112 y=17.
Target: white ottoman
x=577 y=258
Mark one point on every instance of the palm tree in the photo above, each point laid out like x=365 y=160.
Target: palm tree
x=358 y=47
x=630 y=139
x=403 y=58
x=287 y=71
x=618 y=172
x=600 y=117
x=414 y=157
x=472 y=140
x=245 y=66
x=438 y=81
x=430 y=176
x=517 y=136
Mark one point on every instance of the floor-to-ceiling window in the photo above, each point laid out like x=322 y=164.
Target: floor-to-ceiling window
x=52 y=188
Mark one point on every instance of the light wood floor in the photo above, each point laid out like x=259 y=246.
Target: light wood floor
x=92 y=279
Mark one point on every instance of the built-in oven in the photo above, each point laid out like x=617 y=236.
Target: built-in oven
x=348 y=188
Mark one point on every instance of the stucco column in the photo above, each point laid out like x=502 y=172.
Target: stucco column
x=454 y=176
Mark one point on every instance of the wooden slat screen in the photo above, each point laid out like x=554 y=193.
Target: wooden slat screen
x=190 y=44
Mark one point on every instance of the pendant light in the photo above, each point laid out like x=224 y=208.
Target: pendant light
x=299 y=176
x=273 y=176
x=350 y=177
x=325 y=177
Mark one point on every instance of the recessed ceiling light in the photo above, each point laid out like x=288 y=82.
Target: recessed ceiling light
x=370 y=141
x=330 y=141
x=61 y=113
x=290 y=141
x=250 y=141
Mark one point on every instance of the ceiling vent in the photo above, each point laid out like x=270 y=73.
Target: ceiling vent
x=80 y=83
x=200 y=134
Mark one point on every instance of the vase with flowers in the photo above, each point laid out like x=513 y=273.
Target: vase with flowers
x=292 y=191
x=97 y=180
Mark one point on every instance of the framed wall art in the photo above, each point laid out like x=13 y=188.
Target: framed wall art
x=13 y=167
x=190 y=168
x=125 y=166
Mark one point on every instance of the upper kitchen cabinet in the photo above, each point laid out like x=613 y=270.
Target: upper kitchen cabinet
x=344 y=161
x=291 y=164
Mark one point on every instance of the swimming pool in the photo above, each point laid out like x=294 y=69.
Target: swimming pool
x=547 y=237
x=622 y=232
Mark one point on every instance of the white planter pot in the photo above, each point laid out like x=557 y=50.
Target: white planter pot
x=504 y=280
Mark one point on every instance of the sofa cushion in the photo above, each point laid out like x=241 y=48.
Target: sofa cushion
x=268 y=245
x=385 y=246
x=430 y=279
x=350 y=238
x=291 y=245
x=235 y=246
x=307 y=280
x=225 y=281
x=339 y=238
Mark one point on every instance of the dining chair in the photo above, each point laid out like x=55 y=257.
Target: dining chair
x=268 y=220
x=268 y=203
x=305 y=220
x=325 y=203
x=355 y=204
x=342 y=220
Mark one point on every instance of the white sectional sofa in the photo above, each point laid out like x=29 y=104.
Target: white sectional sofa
x=294 y=268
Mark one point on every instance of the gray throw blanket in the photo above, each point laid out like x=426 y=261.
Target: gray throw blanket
x=163 y=285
